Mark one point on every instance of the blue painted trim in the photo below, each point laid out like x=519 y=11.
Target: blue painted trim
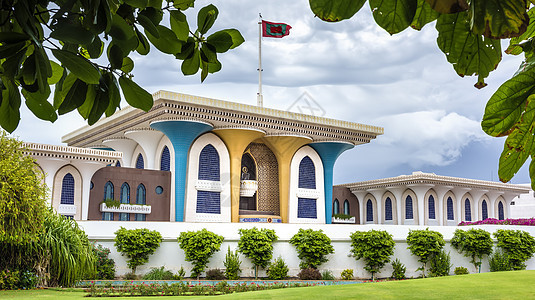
x=329 y=153
x=181 y=134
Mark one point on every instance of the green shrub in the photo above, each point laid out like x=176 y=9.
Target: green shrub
x=277 y=269
x=440 y=264
x=199 y=246
x=312 y=246
x=347 y=274
x=180 y=274
x=309 y=274
x=215 y=274
x=232 y=265
x=460 y=271
x=158 y=274
x=425 y=244
x=375 y=247
x=327 y=275
x=137 y=245
x=9 y=279
x=475 y=243
x=105 y=265
x=499 y=261
x=257 y=245
x=342 y=216
x=130 y=276
x=27 y=280
x=399 y=269
x=519 y=246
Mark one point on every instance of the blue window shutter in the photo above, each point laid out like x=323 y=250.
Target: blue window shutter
x=108 y=191
x=208 y=202
x=165 y=161
x=209 y=164
x=431 y=207
x=501 y=214
x=467 y=210
x=449 y=209
x=369 y=211
x=388 y=209
x=140 y=164
x=336 y=207
x=346 y=207
x=484 y=210
x=307 y=174
x=306 y=208
x=67 y=189
x=408 y=208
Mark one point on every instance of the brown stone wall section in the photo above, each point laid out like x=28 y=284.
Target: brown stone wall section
x=268 y=178
x=118 y=175
x=342 y=193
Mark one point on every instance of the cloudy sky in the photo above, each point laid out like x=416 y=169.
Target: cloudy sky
x=354 y=71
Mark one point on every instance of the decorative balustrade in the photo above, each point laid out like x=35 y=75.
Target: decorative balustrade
x=308 y=193
x=126 y=208
x=209 y=185
x=344 y=221
x=66 y=209
x=248 y=188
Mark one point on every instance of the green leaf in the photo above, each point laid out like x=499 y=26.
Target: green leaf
x=78 y=65
x=206 y=18
x=137 y=3
x=120 y=29
x=183 y=4
x=448 y=6
x=143 y=48
x=10 y=107
x=74 y=97
x=147 y=25
x=7 y=50
x=134 y=94
x=11 y=37
x=221 y=41
x=100 y=105
x=39 y=106
x=187 y=49
x=115 y=56
x=72 y=32
x=505 y=107
x=154 y=15
x=128 y=65
x=519 y=145
x=393 y=15
x=191 y=64
x=155 y=3
x=167 y=42
x=514 y=47
x=237 y=38
x=179 y=24
x=424 y=14
x=470 y=54
x=499 y=18
x=532 y=172
x=85 y=109
x=335 y=10
x=95 y=49
x=113 y=93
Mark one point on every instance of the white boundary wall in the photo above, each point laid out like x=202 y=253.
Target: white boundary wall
x=172 y=257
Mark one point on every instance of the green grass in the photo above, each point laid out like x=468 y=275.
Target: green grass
x=499 y=285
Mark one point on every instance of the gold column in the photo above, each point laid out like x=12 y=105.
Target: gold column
x=236 y=140
x=284 y=148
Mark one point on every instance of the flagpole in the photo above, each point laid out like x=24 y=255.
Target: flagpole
x=259 y=98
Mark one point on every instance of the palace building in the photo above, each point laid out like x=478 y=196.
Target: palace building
x=424 y=199
x=194 y=159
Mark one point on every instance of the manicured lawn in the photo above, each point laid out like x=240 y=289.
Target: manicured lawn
x=500 y=285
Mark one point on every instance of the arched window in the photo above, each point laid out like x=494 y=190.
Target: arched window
x=118 y=164
x=467 y=210
x=346 y=207
x=209 y=164
x=336 y=207
x=388 y=209
x=449 y=209
x=140 y=163
x=408 y=208
x=141 y=198
x=431 y=207
x=307 y=174
x=165 y=161
x=108 y=195
x=484 y=210
x=369 y=211
x=501 y=214
x=67 y=189
x=125 y=199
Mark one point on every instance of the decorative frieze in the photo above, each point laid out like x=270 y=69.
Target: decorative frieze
x=209 y=186
x=308 y=193
x=67 y=209
x=126 y=208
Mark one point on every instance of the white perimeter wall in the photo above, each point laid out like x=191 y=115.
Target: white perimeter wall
x=172 y=257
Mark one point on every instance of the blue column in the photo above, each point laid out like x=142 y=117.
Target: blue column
x=329 y=152
x=182 y=134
